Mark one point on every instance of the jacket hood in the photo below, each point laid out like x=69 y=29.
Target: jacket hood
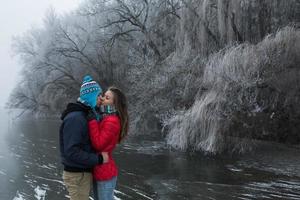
x=72 y=107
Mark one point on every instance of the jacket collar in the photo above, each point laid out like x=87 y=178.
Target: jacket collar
x=72 y=107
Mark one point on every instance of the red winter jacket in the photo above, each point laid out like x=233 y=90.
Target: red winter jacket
x=104 y=138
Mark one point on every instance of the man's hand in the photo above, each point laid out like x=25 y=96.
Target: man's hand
x=105 y=157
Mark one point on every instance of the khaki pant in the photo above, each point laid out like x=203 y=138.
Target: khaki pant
x=78 y=184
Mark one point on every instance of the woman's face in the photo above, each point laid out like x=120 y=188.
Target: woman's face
x=107 y=98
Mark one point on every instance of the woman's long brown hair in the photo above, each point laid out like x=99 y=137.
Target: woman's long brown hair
x=120 y=103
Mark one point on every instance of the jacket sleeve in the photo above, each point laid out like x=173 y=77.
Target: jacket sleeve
x=101 y=138
x=73 y=137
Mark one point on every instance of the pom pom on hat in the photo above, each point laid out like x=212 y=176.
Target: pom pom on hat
x=89 y=91
x=86 y=79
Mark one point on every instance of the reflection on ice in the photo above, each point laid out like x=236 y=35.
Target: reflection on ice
x=282 y=189
x=2 y=173
x=144 y=147
x=40 y=193
x=49 y=179
x=18 y=196
x=233 y=168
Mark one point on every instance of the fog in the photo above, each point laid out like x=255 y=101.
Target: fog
x=16 y=17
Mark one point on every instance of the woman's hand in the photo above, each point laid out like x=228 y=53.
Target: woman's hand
x=105 y=157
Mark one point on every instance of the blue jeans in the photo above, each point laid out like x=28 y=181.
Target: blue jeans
x=104 y=190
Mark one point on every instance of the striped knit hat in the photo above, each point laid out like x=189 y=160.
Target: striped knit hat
x=89 y=91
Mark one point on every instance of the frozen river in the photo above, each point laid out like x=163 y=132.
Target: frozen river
x=30 y=168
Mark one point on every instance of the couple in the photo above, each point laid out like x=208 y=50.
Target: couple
x=90 y=130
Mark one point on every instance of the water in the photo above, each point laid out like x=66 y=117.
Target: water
x=30 y=168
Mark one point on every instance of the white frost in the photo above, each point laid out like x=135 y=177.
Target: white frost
x=18 y=196
x=39 y=193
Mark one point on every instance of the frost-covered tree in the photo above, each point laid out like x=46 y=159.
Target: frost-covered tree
x=252 y=92
x=164 y=54
x=57 y=56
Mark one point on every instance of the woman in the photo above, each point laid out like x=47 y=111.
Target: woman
x=104 y=135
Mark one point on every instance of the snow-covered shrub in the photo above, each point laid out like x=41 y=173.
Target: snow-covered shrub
x=252 y=92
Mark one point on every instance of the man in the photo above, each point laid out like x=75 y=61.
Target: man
x=77 y=154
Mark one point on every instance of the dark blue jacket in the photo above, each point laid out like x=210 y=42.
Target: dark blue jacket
x=75 y=147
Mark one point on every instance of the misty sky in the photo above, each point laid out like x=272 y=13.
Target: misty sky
x=16 y=17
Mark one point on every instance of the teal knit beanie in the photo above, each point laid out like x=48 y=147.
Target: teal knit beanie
x=89 y=91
